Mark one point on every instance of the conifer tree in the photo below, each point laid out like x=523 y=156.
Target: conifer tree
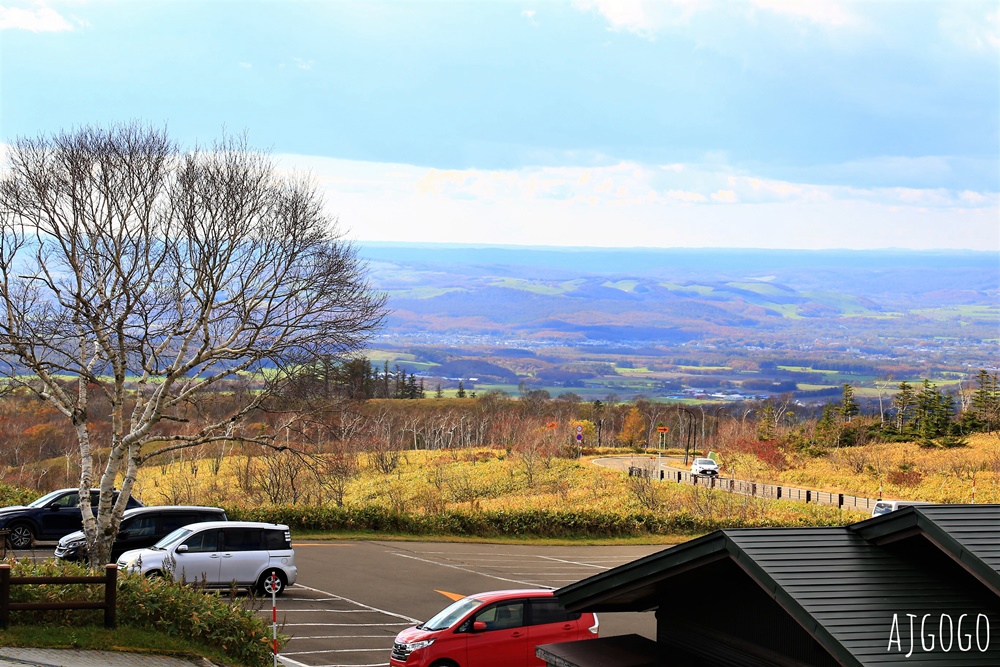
x=848 y=406
x=903 y=402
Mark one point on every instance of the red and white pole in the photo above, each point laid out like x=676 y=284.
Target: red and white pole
x=273 y=585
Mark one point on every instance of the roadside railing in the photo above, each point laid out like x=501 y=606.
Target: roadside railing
x=756 y=489
x=110 y=581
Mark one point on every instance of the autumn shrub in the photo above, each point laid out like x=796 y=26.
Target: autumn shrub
x=16 y=495
x=226 y=624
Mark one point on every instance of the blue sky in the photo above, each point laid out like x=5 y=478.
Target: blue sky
x=691 y=123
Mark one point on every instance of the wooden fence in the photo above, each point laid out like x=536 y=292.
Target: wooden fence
x=757 y=489
x=110 y=581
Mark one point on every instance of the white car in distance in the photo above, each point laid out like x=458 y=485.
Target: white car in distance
x=702 y=467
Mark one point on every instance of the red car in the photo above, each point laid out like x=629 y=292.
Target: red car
x=494 y=629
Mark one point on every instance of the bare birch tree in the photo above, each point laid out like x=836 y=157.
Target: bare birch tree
x=148 y=274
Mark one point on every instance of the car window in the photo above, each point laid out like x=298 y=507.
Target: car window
x=206 y=540
x=242 y=539
x=502 y=615
x=548 y=611
x=140 y=526
x=275 y=540
x=69 y=500
x=451 y=614
x=45 y=500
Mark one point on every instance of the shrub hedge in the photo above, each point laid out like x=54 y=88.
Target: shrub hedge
x=175 y=609
x=495 y=523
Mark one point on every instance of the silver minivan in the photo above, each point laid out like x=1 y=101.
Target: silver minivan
x=886 y=506
x=220 y=554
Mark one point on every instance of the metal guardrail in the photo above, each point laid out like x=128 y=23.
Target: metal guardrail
x=110 y=581
x=756 y=489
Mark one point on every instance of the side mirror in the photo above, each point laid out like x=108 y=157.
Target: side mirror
x=181 y=548
x=122 y=534
x=479 y=626
x=54 y=507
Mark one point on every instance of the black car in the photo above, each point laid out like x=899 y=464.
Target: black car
x=50 y=517
x=140 y=528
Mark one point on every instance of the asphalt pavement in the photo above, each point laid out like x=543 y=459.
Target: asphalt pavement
x=48 y=657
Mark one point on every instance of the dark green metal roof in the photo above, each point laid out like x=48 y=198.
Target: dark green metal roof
x=841 y=588
x=970 y=534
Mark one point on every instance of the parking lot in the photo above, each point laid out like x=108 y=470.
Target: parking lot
x=352 y=598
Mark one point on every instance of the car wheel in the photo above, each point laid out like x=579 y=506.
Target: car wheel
x=261 y=583
x=445 y=663
x=21 y=536
x=154 y=574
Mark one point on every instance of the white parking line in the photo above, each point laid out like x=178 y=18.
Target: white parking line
x=340 y=650
x=361 y=604
x=343 y=637
x=465 y=569
x=347 y=625
x=295 y=663
x=573 y=562
x=335 y=611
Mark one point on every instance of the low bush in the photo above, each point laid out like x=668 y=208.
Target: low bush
x=512 y=523
x=227 y=624
x=16 y=495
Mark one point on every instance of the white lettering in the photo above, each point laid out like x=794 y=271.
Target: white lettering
x=923 y=641
x=894 y=632
x=911 y=617
x=951 y=632
x=969 y=637
x=983 y=649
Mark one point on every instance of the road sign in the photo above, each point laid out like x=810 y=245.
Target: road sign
x=579 y=436
x=662 y=429
x=579 y=429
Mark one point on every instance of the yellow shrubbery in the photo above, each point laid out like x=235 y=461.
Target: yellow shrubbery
x=429 y=482
x=901 y=471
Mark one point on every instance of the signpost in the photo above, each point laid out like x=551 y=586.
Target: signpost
x=271 y=585
x=661 y=430
x=579 y=442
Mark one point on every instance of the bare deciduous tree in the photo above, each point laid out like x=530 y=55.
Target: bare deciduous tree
x=149 y=274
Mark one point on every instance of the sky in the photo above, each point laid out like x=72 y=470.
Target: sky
x=802 y=124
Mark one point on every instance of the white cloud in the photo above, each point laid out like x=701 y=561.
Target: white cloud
x=971 y=25
x=628 y=203
x=648 y=17
x=643 y=17
x=725 y=196
x=38 y=18
x=821 y=12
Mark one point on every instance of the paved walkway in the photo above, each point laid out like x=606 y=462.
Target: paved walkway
x=51 y=657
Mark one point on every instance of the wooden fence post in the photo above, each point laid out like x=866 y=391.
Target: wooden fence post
x=110 y=594
x=4 y=595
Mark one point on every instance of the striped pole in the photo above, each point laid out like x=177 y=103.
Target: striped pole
x=272 y=585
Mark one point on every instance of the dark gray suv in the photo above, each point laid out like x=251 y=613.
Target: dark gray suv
x=48 y=518
x=140 y=528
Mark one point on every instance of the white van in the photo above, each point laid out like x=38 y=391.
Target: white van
x=219 y=554
x=886 y=506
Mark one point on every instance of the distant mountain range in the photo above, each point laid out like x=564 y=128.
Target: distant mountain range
x=670 y=295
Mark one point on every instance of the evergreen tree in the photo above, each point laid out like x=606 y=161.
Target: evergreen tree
x=765 y=423
x=828 y=427
x=848 y=406
x=986 y=401
x=461 y=390
x=438 y=391
x=903 y=403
